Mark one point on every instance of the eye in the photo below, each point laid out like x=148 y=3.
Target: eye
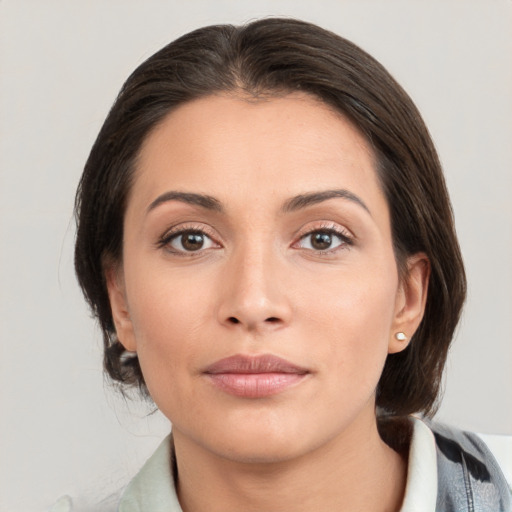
x=189 y=241
x=323 y=240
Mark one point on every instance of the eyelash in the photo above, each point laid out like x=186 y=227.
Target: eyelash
x=165 y=240
x=174 y=233
x=346 y=239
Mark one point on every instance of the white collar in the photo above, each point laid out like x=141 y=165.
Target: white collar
x=421 y=487
x=153 y=489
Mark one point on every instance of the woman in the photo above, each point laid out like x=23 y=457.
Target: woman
x=265 y=236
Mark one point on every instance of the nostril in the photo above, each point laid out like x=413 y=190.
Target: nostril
x=233 y=320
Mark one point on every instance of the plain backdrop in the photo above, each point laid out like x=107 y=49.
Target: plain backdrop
x=62 y=431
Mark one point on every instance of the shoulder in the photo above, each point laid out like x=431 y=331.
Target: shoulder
x=86 y=504
x=469 y=478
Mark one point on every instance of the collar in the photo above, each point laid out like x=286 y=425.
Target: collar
x=153 y=488
x=421 y=487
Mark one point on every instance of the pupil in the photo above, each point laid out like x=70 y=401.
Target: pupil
x=192 y=241
x=321 y=240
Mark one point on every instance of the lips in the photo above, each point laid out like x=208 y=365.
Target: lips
x=254 y=376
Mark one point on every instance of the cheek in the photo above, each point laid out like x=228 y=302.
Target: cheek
x=169 y=316
x=354 y=320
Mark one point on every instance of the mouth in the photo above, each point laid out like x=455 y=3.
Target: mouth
x=254 y=376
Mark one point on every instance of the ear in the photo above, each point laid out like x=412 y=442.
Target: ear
x=410 y=302
x=120 y=311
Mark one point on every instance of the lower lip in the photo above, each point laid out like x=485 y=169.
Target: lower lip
x=255 y=385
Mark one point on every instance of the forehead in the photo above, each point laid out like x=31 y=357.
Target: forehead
x=228 y=145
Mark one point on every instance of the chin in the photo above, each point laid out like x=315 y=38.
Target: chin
x=260 y=451
x=259 y=440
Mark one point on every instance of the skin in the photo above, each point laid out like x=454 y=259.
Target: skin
x=259 y=286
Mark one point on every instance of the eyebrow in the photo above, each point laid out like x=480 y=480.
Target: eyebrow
x=205 y=201
x=295 y=203
x=305 y=200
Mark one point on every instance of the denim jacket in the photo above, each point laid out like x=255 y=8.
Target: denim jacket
x=469 y=479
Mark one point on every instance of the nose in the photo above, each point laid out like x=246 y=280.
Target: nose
x=253 y=295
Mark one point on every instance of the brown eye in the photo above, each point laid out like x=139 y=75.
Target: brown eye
x=323 y=240
x=190 y=241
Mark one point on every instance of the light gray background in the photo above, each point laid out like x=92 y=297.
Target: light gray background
x=61 y=65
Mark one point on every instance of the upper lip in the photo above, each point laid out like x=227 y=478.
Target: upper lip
x=265 y=363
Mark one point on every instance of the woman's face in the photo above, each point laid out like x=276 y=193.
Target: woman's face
x=259 y=286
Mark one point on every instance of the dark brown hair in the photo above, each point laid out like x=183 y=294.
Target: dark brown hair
x=270 y=57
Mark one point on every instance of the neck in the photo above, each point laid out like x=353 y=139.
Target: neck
x=354 y=471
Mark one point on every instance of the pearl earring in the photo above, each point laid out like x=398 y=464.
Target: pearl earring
x=400 y=336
